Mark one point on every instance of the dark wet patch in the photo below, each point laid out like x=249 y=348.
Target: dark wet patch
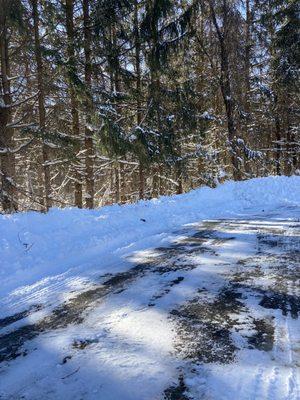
x=185 y=246
x=177 y=281
x=196 y=242
x=281 y=241
x=206 y=234
x=275 y=297
x=219 y=241
x=268 y=241
x=248 y=275
x=192 y=241
x=65 y=360
x=263 y=339
x=19 y=316
x=173 y=266
x=165 y=291
x=72 y=312
x=176 y=392
x=11 y=343
x=203 y=327
x=158 y=296
x=283 y=275
x=81 y=344
x=282 y=301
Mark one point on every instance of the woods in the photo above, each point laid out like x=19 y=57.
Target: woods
x=107 y=102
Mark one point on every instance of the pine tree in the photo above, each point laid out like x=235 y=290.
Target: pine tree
x=41 y=100
x=10 y=17
x=89 y=145
x=73 y=82
x=119 y=100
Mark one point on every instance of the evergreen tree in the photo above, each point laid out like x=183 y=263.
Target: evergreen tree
x=120 y=100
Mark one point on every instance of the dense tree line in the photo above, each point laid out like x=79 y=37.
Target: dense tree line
x=106 y=101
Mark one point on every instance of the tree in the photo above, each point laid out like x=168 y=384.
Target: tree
x=286 y=64
x=89 y=147
x=9 y=15
x=73 y=83
x=222 y=30
x=41 y=101
x=117 y=100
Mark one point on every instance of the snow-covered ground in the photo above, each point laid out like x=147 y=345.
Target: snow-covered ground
x=188 y=297
x=45 y=249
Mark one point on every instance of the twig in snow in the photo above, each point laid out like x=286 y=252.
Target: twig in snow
x=72 y=373
x=27 y=246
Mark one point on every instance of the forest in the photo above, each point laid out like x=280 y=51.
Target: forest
x=149 y=199
x=112 y=101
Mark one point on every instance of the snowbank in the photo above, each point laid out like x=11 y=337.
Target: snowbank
x=37 y=246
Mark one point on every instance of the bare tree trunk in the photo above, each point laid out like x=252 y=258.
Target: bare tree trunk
x=179 y=179
x=248 y=47
x=155 y=92
x=141 y=181
x=117 y=87
x=275 y=107
x=41 y=100
x=139 y=92
x=74 y=102
x=278 y=138
x=155 y=181
x=248 y=53
x=8 y=192
x=89 y=145
x=178 y=170
x=122 y=183
x=289 y=151
x=295 y=159
x=117 y=182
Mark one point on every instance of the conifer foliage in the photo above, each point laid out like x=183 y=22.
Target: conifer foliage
x=118 y=100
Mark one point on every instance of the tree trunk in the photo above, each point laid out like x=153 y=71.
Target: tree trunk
x=89 y=145
x=178 y=171
x=138 y=92
x=8 y=192
x=275 y=106
x=248 y=54
x=154 y=94
x=73 y=95
x=41 y=100
x=117 y=182
x=155 y=181
x=229 y=107
x=278 y=142
x=122 y=183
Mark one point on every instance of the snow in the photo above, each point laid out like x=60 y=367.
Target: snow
x=127 y=346
x=207 y=116
x=36 y=248
x=261 y=375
